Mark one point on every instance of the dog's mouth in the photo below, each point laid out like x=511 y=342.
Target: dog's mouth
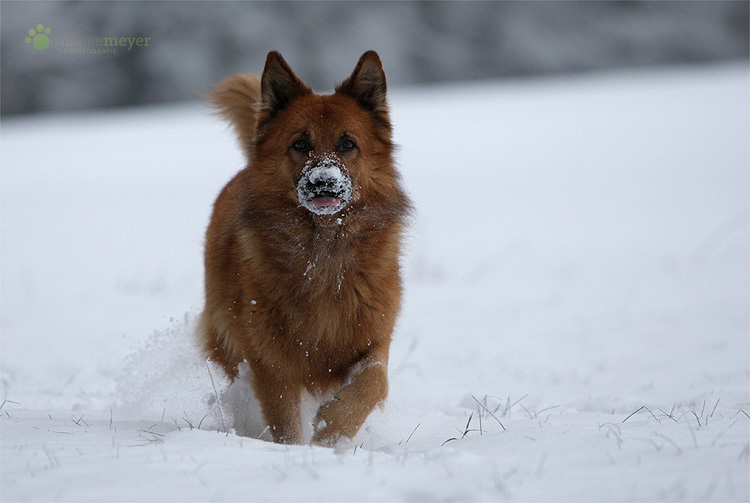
x=325 y=187
x=326 y=201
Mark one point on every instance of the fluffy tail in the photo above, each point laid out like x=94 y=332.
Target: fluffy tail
x=235 y=99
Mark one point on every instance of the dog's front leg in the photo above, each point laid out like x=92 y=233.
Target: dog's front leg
x=344 y=414
x=280 y=401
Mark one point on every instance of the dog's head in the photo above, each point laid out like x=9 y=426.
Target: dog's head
x=330 y=149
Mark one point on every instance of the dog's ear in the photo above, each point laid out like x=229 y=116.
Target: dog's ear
x=279 y=86
x=366 y=84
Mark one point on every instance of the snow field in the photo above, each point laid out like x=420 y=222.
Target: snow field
x=575 y=325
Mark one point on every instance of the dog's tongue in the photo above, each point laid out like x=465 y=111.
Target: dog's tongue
x=326 y=201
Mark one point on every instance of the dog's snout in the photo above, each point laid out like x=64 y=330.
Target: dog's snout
x=324 y=186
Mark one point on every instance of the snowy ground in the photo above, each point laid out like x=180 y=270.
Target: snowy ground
x=576 y=316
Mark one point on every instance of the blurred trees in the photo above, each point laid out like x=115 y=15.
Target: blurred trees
x=195 y=44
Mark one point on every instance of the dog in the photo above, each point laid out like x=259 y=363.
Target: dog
x=302 y=276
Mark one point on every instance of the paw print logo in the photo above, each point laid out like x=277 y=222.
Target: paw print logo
x=38 y=37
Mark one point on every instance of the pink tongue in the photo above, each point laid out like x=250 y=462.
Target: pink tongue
x=326 y=201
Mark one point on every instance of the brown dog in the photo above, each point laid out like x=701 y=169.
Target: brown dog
x=302 y=252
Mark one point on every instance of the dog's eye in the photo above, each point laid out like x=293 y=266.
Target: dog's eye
x=347 y=145
x=301 y=146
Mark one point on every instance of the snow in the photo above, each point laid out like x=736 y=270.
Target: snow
x=576 y=329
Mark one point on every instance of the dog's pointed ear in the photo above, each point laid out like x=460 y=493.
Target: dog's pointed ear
x=366 y=84
x=279 y=86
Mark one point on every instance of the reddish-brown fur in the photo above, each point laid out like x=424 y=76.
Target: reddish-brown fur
x=308 y=300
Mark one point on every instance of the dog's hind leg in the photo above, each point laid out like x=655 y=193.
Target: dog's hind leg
x=214 y=346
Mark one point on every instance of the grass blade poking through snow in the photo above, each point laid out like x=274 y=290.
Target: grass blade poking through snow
x=489 y=412
x=216 y=395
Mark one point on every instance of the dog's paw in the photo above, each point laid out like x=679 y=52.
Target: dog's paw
x=328 y=426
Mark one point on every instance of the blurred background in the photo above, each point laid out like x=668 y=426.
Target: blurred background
x=195 y=44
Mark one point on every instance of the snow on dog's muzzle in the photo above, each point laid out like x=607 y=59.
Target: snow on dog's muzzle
x=324 y=187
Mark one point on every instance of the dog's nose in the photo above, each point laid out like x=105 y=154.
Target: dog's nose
x=326 y=178
x=324 y=183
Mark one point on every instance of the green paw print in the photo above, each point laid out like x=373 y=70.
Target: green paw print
x=39 y=37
